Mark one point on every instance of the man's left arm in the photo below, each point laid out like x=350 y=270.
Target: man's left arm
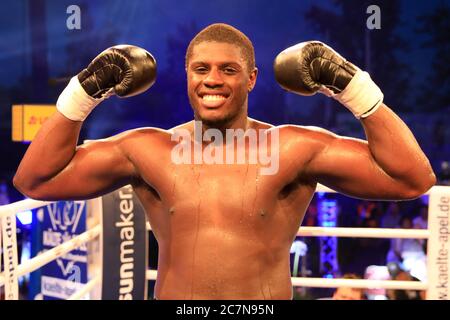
x=395 y=150
x=390 y=164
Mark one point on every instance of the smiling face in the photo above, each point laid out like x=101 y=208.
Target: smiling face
x=219 y=81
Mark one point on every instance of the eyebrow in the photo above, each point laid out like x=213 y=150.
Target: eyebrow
x=222 y=64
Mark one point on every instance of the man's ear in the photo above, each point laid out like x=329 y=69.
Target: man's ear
x=252 y=79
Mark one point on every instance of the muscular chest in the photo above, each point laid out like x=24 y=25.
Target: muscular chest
x=218 y=187
x=225 y=201
x=225 y=189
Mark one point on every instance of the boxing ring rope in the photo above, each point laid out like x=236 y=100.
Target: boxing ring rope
x=359 y=283
x=88 y=287
x=19 y=206
x=334 y=283
x=389 y=233
x=354 y=283
x=58 y=251
x=43 y=258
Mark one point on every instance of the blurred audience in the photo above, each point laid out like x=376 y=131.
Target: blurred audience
x=392 y=216
x=368 y=210
x=444 y=174
x=397 y=273
x=349 y=293
x=377 y=272
x=4 y=194
x=408 y=253
x=421 y=221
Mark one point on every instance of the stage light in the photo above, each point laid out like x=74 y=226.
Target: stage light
x=25 y=217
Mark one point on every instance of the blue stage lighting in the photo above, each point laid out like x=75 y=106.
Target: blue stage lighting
x=25 y=217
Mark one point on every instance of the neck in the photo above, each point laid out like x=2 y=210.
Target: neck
x=241 y=121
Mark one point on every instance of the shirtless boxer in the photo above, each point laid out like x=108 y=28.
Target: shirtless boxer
x=225 y=230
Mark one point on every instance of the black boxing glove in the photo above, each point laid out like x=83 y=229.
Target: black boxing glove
x=124 y=70
x=312 y=66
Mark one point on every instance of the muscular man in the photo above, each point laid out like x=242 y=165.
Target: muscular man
x=224 y=230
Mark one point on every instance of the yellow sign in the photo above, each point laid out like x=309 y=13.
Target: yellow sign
x=27 y=119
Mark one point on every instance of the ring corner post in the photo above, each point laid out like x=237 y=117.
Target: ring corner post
x=10 y=258
x=438 y=244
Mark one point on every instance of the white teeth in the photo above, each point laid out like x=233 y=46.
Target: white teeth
x=213 y=97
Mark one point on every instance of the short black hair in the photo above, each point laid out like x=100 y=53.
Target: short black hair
x=221 y=32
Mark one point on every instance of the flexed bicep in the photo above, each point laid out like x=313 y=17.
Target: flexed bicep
x=347 y=165
x=96 y=168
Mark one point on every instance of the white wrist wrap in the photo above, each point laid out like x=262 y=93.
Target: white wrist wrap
x=361 y=96
x=74 y=103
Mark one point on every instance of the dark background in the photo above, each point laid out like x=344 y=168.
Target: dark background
x=408 y=58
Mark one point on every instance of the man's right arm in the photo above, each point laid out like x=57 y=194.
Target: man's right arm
x=53 y=168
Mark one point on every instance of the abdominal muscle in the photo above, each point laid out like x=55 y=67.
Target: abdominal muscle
x=217 y=265
x=222 y=231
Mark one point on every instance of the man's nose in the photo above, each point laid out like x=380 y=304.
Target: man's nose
x=213 y=79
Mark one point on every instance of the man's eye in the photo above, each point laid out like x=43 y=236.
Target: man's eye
x=230 y=70
x=201 y=69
